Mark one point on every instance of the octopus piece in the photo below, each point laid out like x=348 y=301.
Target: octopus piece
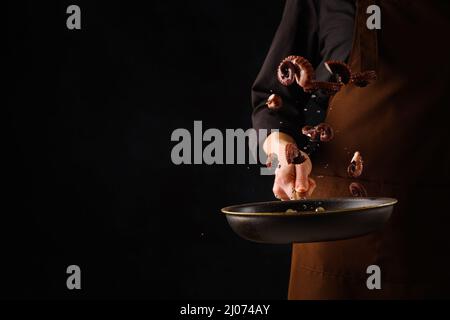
x=287 y=72
x=306 y=71
x=325 y=131
x=355 y=168
x=311 y=132
x=299 y=69
x=340 y=70
x=329 y=88
x=293 y=154
x=357 y=190
x=295 y=68
x=362 y=79
x=274 y=102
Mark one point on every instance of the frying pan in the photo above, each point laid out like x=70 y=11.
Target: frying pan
x=298 y=222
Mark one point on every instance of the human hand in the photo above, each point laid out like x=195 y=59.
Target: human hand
x=292 y=181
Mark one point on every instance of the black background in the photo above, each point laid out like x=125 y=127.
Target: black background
x=88 y=178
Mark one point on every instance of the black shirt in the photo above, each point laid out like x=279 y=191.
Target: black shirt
x=318 y=30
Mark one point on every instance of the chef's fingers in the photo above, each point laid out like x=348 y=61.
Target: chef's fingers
x=285 y=178
x=303 y=195
x=312 y=186
x=301 y=178
x=289 y=190
x=278 y=192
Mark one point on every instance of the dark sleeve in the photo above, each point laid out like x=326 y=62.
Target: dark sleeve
x=336 y=27
x=296 y=35
x=318 y=30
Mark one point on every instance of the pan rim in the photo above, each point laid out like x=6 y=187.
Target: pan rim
x=386 y=202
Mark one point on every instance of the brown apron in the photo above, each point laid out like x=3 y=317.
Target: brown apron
x=399 y=126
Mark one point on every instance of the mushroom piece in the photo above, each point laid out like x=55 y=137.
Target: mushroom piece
x=355 y=168
x=340 y=70
x=274 y=102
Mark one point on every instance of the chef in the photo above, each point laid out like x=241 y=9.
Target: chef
x=398 y=124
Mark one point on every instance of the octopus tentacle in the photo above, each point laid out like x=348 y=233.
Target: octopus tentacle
x=323 y=132
x=299 y=69
x=274 y=102
x=326 y=132
x=293 y=154
x=362 y=79
x=286 y=72
x=329 y=88
x=310 y=132
x=355 y=168
x=340 y=70
x=306 y=71
x=357 y=190
x=295 y=68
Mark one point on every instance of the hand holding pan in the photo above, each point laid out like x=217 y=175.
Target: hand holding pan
x=302 y=221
